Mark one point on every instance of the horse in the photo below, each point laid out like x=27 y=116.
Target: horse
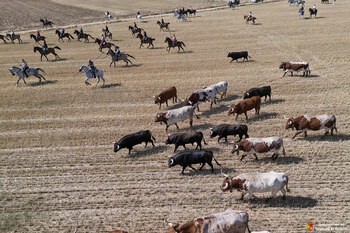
x=48 y=51
x=84 y=35
x=108 y=16
x=108 y=34
x=149 y=40
x=178 y=44
x=161 y=26
x=15 y=37
x=179 y=16
x=105 y=45
x=250 y=19
x=312 y=12
x=122 y=57
x=3 y=38
x=88 y=75
x=60 y=37
x=37 y=39
x=324 y=1
x=30 y=72
x=190 y=12
x=45 y=24
x=134 y=31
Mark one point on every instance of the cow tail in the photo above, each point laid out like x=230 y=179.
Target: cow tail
x=150 y=133
x=248 y=227
x=288 y=190
x=216 y=161
x=283 y=150
x=335 y=125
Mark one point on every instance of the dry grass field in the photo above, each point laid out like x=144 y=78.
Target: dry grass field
x=59 y=173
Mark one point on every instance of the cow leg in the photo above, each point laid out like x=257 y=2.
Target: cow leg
x=244 y=155
x=191 y=123
x=146 y=144
x=166 y=128
x=167 y=103
x=130 y=150
x=246 y=115
x=296 y=134
x=192 y=168
x=291 y=73
x=270 y=98
x=152 y=143
x=184 y=146
x=325 y=133
x=226 y=139
x=203 y=166
x=305 y=134
x=242 y=196
x=283 y=191
x=236 y=117
x=211 y=165
x=219 y=138
x=256 y=157
x=200 y=145
x=176 y=146
x=231 y=60
x=178 y=126
x=183 y=169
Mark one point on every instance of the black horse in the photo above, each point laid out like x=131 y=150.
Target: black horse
x=190 y=12
x=46 y=23
x=60 y=37
x=84 y=36
x=313 y=12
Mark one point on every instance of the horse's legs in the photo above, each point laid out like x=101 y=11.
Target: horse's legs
x=129 y=61
x=37 y=76
x=42 y=77
x=46 y=57
x=98 y=80
x=111 y=63
x=103 y=80
x=114 y=64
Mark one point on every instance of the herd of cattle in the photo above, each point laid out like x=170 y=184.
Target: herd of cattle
x=246 y=184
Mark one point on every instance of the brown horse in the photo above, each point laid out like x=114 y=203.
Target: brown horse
x=67 y=35
x=15 y=37
x=37 y=39
x=47 y=23
x=105 y=45
x=161 y=26
x=3 y=38
x=250 y=19
x=178 y=44
x=149 y=40
x=134 y=31
x=48 y=51
x=84 y=36
x=108 y=34
x=122 y=57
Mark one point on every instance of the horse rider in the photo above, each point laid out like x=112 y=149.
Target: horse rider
x=45 y=46
x=103 y=41
x=62 y=32
x=45 y=20
x=106 y=30
x=162 y=22
x=138 y=15
x=144 y=35
x=117 y=52
x=37 y=35
x=191 y=9
x=249 y=15
x=301 y=10
x=135 y=26
x=24 y=67
x=174 y=40
x=314 y=8
x=92 y=68
x=12 y=35
x=80 y=32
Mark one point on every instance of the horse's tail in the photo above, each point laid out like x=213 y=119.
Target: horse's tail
x=41 y=70
x=90 y=36
x=183 y=43
x=56 y=47
x=152 y=38
x=69 y=35
x=129 y=55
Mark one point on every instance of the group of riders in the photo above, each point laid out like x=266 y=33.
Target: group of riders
x=301 y=10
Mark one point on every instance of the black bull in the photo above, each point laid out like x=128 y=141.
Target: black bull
x=131 y=140
x=238 y=55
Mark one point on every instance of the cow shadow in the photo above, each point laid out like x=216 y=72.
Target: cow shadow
x=43 y=83
x=285 y=160
x=147 y=152
x=289 y=202
x=200 y=127
x=230 y=98
x=217 y=110
x=158 y=48
x=273 y=101
x=263 y=116
x=313 y=76
x=179 y=104
x=111 y=85
x=331 y=138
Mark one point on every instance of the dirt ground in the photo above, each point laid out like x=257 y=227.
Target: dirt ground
x=59 y=173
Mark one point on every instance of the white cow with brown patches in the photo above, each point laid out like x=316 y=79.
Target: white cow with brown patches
x=230 y=221
x=304 y=123
x=250 y=183
x=173 y=116
x=295 y=66
x=259 y=145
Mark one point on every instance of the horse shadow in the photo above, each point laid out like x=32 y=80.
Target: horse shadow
x=217 y=110
x=283 y=160
x=263 y=116
x=257 y=24
x=331 y=138
x=111 y=85
x=132 y=65
x=312 y=17
x=147 y=152
x=187 y=51
x=273 y=101
x=313 y=76
x=59 y=59
x=289 y=202
x=47 y=82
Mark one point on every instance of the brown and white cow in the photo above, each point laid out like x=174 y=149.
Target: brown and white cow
x=118 y=231
x=295 y=66
x=304 y=123
x=173 y=116
x=225 y=222
x=259 y=145
x=249 y=183
x=165 y=95
x=245 y=105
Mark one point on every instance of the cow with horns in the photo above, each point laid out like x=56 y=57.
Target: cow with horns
x=249 y=183
x=129 y=141
x=225 y=222
x=304 y=123
x=259 y=145
x=173 y=116
x=295 y=66
x=165 y=95
x=245 y=105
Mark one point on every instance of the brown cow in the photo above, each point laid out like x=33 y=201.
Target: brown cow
x=226 y=222
x=165 y=95
x=304 y=123
x=295 y=66
x=245 y=105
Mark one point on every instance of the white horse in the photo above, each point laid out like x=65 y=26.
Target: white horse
x=88 y=74
x=30 y=72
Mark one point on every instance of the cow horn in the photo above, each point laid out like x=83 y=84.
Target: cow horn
x=226 y=186
x=158 y=97
x=284 y=116
x=169 y=223
x=171 y=161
